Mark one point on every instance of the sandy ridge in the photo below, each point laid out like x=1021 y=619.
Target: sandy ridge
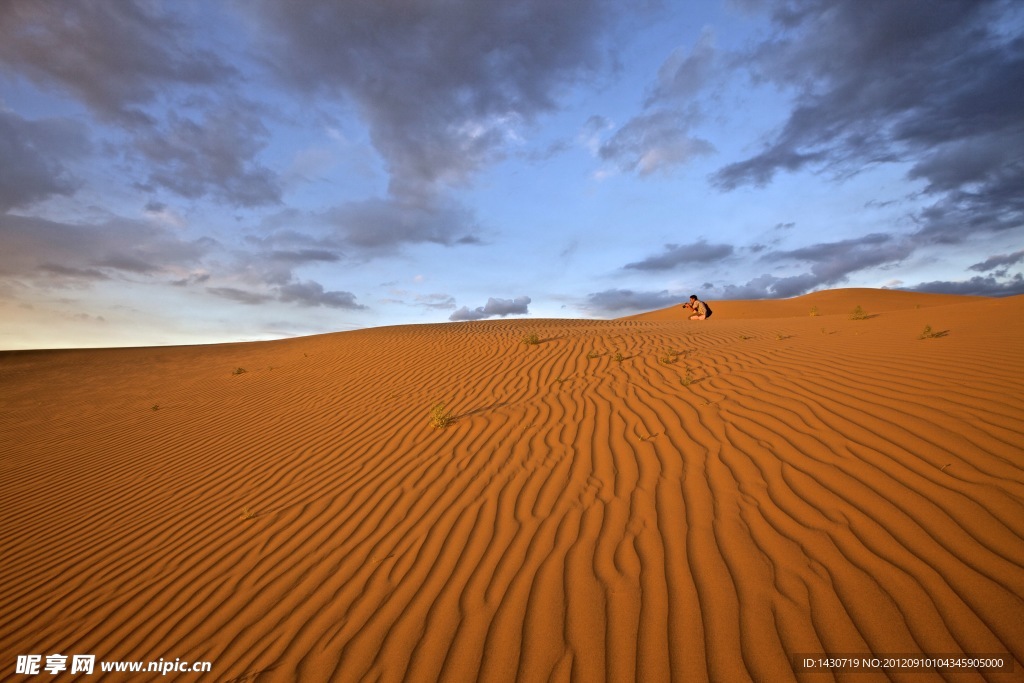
x=816 y=485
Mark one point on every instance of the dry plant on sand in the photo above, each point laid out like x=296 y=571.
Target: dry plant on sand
x=669 y=357
x=858 y=314
x=530 y=339
x=441 y=418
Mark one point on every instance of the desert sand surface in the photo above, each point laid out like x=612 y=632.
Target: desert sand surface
x=645 y=499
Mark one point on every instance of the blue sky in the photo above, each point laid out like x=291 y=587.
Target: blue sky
x=191 y=172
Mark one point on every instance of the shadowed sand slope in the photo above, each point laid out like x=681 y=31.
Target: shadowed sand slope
x=638 y=499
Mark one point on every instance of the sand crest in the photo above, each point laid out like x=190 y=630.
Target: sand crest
x=639 y=499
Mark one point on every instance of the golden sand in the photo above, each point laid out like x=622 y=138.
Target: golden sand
x=643 y=499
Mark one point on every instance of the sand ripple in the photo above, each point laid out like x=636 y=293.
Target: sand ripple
x=703 y=506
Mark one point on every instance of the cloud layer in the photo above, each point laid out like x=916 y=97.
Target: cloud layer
x=442 y=85
x=493 y=307
x=308 y=156
x=938 y=84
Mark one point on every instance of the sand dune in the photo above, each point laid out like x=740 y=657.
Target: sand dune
x=720 y=498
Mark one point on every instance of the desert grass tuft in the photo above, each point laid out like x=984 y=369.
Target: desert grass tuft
x=238 y=371
x=929 y=333
x=814 y=312
x=530 y=339
x=669 y=357
x=156 y=406
x=441 y=418
x=688 y=378
x=858 y=313
x=594 y=354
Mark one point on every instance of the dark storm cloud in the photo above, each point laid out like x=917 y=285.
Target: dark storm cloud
x=304 y=256
x=33 y=156
x=439 y=84
x=73 y=273
x=832 y=262
x=113 y=56
x=214 y=154
x=499 y=307
x=312 y=294
x=240 y=295
x=128 y=263
x=938 y=83
x=308 y=293
x=976 y=286
x=746 y=6
x=267 y=264
x=772 y=287
x=760 y=170
x=676 y=255
x=1000 y=261
x=136 y=66
x=35 y=248
x=617 y=301
x=193 y=279
x=272 y=258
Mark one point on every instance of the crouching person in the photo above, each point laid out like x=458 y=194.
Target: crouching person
x=700 y=310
